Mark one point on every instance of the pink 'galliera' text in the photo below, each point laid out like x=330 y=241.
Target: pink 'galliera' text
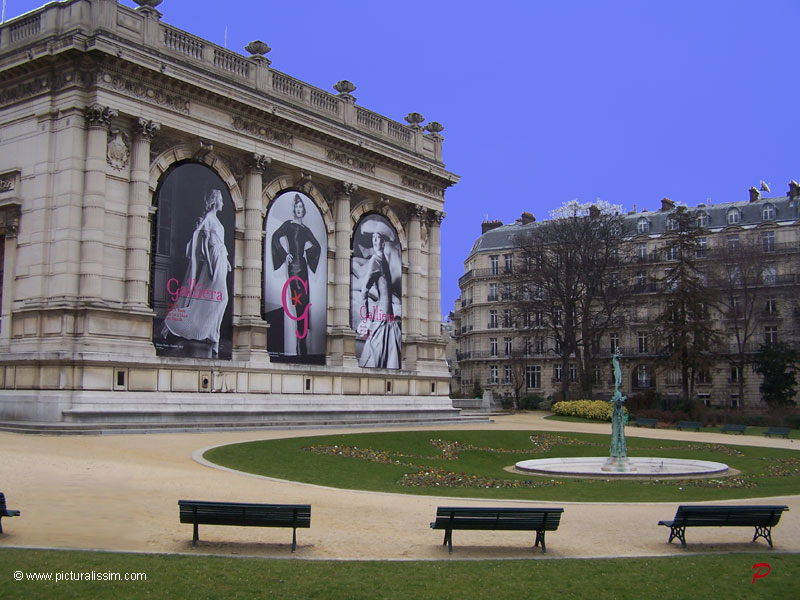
x=375 y=315
x=195 y=290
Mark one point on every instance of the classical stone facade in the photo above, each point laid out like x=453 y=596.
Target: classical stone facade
x=145 y=175
x=492 y=341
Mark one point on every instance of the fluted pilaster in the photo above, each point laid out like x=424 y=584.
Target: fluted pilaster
x=341 y=299
x=136 y=264
x=90 y=285
x=253 y=232
x=415 y=269
x=434 y=274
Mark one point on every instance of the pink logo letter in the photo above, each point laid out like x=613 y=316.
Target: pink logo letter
x=759 y=574
x=304 y=316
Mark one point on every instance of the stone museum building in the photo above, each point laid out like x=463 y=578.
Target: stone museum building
x=189 y=236
x=748 y=252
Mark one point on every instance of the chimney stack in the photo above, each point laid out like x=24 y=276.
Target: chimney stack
x=527 y=218
x=755 y=195
x=489 y=225
x=667 y=204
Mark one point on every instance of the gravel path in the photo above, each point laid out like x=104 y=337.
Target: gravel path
x=120 y=492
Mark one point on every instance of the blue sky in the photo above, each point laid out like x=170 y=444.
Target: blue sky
x=548 y=101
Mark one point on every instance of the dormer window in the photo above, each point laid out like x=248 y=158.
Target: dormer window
x=702 y=219
x=642 y=225
x=768 y=212
x=734 y=216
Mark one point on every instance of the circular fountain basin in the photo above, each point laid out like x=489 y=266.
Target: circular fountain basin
x=637 y=467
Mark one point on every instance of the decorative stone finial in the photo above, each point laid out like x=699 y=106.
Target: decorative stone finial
x=344 y=86
x=434 y=127
x=258 y=48
x=148 y=3
x=414 y=118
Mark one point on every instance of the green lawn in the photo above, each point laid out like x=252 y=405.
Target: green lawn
x=728 y=576
x=471 y=464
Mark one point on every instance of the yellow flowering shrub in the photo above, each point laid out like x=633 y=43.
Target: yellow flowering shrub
x=598 y=410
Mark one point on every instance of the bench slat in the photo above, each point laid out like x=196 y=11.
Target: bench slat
x=202 y=512
x=497 y=519
x=762 y=517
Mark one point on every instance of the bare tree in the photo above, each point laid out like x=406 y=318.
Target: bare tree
x=567 y=283
x=742 y=280
x=683 y=327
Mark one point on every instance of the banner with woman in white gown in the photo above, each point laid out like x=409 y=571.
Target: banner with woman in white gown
x=192 y=265
x=296 y=280
x=376 y=293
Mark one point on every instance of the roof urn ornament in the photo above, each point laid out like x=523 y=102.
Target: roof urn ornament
x=434 y=127
x=345 y=88
x=414 y=118
x=258 y=48
x=148 y=3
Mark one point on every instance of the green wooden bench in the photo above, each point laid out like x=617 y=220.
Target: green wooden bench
x=539 y=520
x=199 y=512
x=696 y=425
x=5 y=512
x=781 y=431
x=762 y=517
x=645 y=422
x=731 y=428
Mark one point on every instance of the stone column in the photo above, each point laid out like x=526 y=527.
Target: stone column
x=253 y=234
x=250 y=331
x=137 y=265
x=415 y=270
x=93 y=213
x=342 y=344
x=9 y=228
x=434 y=275
x=341 y=301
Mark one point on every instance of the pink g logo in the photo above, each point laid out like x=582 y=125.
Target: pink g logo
x=295 y=302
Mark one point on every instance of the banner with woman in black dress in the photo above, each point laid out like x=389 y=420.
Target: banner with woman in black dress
x=296 y=280
x=376 y=293
x=192 y=266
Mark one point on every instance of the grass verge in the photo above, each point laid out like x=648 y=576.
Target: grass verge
x=727 y=576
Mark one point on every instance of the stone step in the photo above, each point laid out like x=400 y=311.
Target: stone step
x=130 y=427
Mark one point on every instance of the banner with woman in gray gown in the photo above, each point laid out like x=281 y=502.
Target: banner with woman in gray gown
x=192 y=265
x=376 y=293
x=296 y=280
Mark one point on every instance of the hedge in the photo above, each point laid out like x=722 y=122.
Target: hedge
x=598 y=410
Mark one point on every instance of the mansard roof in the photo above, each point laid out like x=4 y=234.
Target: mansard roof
x=787 y=210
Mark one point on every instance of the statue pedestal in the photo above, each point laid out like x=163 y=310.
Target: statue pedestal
x=618 y=464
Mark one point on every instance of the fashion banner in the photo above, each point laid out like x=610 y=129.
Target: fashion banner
x=192 y=266
x=296 y=280
x=376 y=293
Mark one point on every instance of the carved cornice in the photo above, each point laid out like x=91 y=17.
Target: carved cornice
x=99 y=116
x=145 y=129
x=142 y=91
x=350 y=161
x=262 y=131
x=421 y=186
x=25 y=89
